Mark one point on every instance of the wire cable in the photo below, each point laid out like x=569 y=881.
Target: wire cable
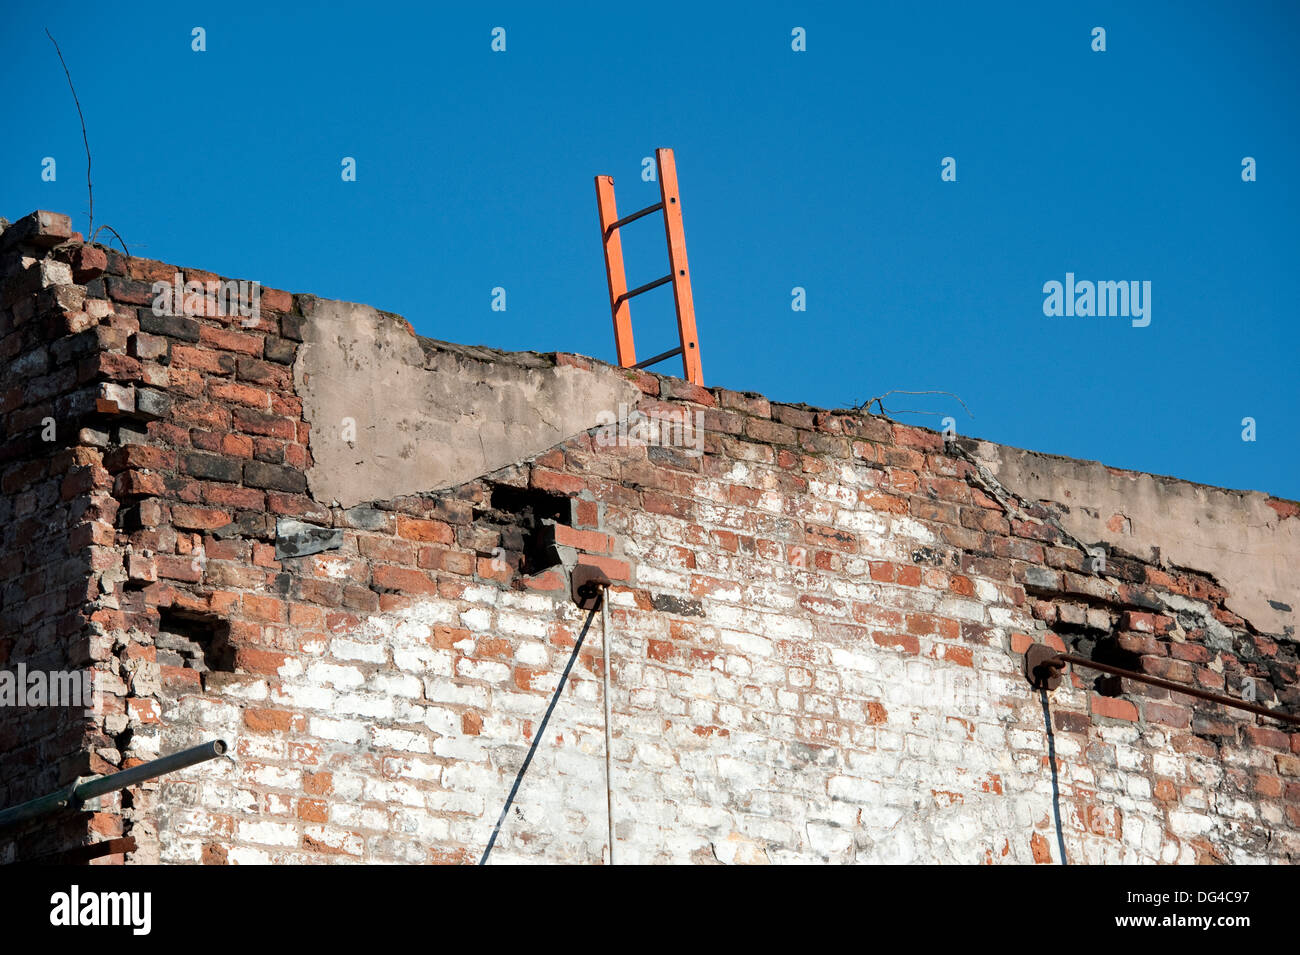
x=609 y=783
x=537 y=738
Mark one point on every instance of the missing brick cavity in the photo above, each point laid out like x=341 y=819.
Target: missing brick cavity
x=522 y=521
x=194 y=641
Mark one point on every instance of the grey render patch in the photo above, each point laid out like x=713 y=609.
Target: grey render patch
x=392 y=414
x=299 y=539
x=666 y=603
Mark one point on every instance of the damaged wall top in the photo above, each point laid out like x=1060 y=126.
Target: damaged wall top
x=430 y=415
x=1247 y=541
x=426 y=415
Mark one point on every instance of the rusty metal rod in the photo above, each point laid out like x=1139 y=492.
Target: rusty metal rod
x=633 y=217
x=1063 y=658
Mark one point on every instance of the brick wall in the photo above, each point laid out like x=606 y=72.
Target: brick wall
x=56 y=512
x=817 y=627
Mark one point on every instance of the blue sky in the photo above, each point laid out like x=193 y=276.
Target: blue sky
x=818 y=169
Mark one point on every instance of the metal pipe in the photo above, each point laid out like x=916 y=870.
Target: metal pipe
x=75 y=794
x=609 y=779
x=1063 y=658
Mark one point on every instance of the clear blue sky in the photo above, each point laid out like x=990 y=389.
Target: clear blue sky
x=818 y=169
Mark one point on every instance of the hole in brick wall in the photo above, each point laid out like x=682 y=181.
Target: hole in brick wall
x=520 y=517
x=1109 y=651
x=195 y=642
x=123 y=742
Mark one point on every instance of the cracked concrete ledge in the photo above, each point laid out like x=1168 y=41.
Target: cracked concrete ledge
x=393 y=414
x=1243 y=539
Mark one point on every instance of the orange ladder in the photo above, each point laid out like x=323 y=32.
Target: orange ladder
x=679 y=274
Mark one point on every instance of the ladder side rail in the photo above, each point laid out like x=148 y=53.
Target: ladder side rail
x=619 y=307
x=681 y=272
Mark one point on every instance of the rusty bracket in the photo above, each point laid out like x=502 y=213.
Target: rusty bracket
x=589 y=584
x=1043 y=667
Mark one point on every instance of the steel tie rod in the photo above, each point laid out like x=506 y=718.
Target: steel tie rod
x=1041 y=662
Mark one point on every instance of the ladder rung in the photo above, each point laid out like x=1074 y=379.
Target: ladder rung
x=647 y=287
x=658 y=358
x=633 y=217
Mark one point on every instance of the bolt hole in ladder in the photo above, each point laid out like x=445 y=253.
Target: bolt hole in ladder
x=679 y=272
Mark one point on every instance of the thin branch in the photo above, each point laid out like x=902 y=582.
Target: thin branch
x=880 y=403
x=91 y=240
x=89 y=189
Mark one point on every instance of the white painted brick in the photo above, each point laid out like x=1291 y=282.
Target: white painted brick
x=345 y=731
x=268 y=833
x=353 y=650
x=330 y=674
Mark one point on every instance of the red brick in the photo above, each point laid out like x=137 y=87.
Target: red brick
x=275 y=300
x=1140 y=622
x=833 y=539
x=587 y=514
x=962 y=656
x=488 y=568
x=905 y=642
x=660 y=650
x=657 y=503
x=201 y=359
x=1113 y=708
x=268 y=720
x=1179 y=717
x=250 y=421
x=229 y=340
x=253 y=660
x=1038 y=846
x=172 y=567
x=240 y=394
x=615 y=570
x=910 y=437
x=144 y=710
x=402 y=579
x=318 y=784
x=458 y=562
x=269 y=609
x=231 y=495
x=417 y=529
x=591 y=541
x=555 y=481
x=140 y=456
x=1268 y=738
x=199 y=518
x=686 y=391
x=1268 y=785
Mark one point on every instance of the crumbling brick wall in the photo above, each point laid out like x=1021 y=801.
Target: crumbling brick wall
x=56 y=514
x=816 y=623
